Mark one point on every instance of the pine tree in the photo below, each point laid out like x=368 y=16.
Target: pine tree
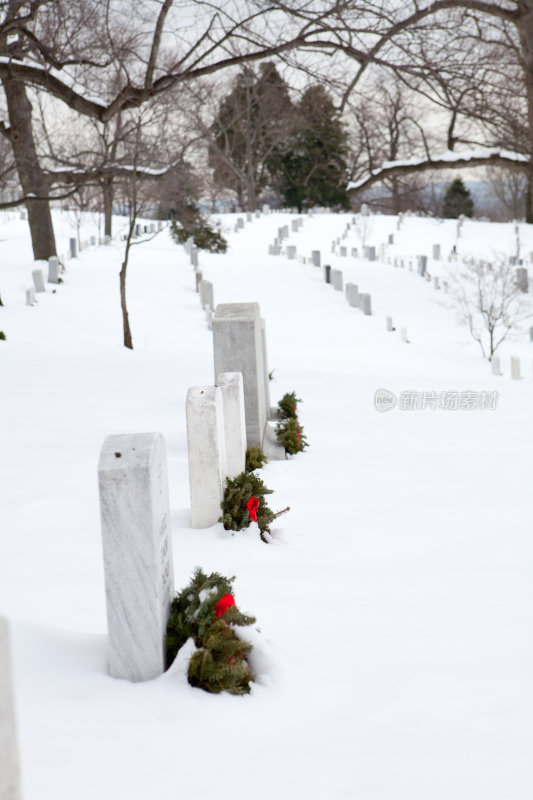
x=311 y=167
x=205 y=612
x=457 y=201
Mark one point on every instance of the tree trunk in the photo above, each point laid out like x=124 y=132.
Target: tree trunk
x=107 y=190
x=128 y=341
x=31 y=177
x=525 y=31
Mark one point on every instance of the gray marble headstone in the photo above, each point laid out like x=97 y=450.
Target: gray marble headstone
x=138 y=230
x=238 y=347
x=73 y=246
x=206 y=449
x=9 y=760
x=391 y=238
x=53 y=269
x=205 y=289
x=327 y=273
x=352 y=294
x=294 y=225
x=315 y=258
x=336 y=279
x=139 y=578
x=93 y=241
x=38 y=280
x=521 y=279
x=422 y=265
x=365 y=304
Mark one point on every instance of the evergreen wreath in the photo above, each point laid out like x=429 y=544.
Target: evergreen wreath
x=244 y=502
x=287 y=405
x=205 y=612
x=290 y=434
x=255 y=458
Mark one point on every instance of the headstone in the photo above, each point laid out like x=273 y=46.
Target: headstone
x=194 y=256
x=513 y=260
x=515 y=368
x=388 y=323
x=240 y=223
x=336 y=279
x=403 y=335
x=291 y=252
x=295 y=225
x=371 y=253
x=9 y=760
x=266 y=208
x=354 y=252
x=152 y=227
x=436 y=252
x=365 y=210
x=30 y=297
x=422 y=265
x=139 y=580
x=427 y=277
x=521 y=279
x=205 y=289
x=199 y=277
x=238 y=347
x=445 y=286
x=365 y=304
x=531 y=334
x=266 y=379
x=274 y=250
x=231 y=386
x=145 y=228
x=391 y=238
x=73 y=245
x=344 y=252
x=327 y=273
x=257 y=213
x=436 y=283
x=249 y=216
x=352 y=294
x=315 y=258
x=93 y=241
x=206 y=447
x=38 y=280
x=382 y=252
x=188 y=245
x=496 y=366
x=53 y=269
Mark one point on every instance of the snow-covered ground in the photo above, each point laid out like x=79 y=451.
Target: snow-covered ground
x=395 y=605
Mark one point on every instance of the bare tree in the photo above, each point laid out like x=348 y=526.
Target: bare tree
x=488 y=301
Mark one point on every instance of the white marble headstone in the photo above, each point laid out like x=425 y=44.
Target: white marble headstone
x=137 y=546
x=9 y=762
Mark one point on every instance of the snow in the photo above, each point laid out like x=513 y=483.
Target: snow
x=394 y=605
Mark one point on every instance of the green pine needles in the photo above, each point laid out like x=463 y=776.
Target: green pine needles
x=244 y=502
x=255 y=458
x=205 y=612
x=289 y=432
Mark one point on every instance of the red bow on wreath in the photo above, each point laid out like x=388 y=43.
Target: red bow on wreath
x=225 y=602
x=252 y=505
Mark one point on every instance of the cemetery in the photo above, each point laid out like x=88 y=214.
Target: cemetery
x=222 y=535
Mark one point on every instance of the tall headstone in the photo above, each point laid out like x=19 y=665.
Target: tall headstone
x=315 y=258
x=422 y=265
x=139 y=579
x=206 y=446
x=53 y=269
x=198 y=278
x=9 y=760
x=352 y=294
x=515 y=368
x=38 y=280
x=73 y=246
x=327 y=273
x=238 y=347
x=365 y=304
x=336 y=279
x=231 y=386
x=521 y=279
x=205 y=289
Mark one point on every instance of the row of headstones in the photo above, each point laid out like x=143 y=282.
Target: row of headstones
x=239 y=224
x=515 y=368
x=222 y=421
x=355 y=299
x=152 y=227
x=56 y=267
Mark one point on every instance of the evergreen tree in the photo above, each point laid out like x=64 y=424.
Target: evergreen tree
x=311 y=167
x=457 y=201
x=252 y=121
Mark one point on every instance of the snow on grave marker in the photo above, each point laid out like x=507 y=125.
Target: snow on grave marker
x=139 y=581
x=231 y=386
x=9 y=760
x=38 y=280
x=206 y=447
x=238 y=347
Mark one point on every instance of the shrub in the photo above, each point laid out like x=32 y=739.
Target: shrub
x=190 y=223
